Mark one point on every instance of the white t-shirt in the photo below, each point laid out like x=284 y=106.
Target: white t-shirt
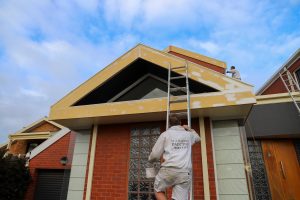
x=235 y=74
x=175 y=145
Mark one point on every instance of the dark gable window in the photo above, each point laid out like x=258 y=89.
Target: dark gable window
x=141 y=142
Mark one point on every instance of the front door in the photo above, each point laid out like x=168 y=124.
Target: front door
x=282 y=168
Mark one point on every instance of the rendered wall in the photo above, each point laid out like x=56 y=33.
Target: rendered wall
x=231 y=177
x=79 y=165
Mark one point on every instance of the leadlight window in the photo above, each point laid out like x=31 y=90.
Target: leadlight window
x=297 y=147
x=260 y=180
x=141 y=143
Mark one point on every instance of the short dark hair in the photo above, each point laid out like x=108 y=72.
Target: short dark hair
x=174 y=120
x=232 y=67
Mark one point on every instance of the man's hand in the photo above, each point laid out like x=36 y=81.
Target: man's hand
x=186 y=128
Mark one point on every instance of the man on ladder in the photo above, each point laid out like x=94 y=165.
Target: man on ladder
x=175 y=144
x=175 y=147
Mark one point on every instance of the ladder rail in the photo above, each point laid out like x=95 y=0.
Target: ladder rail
x=168 y=105
x=290 y=79
x=188 y=95
x=177 y=100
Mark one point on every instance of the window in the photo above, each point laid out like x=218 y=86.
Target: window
x=141 y=143
x=260 y=180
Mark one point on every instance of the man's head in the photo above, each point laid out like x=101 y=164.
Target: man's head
x=174 y=120
x=232 y=67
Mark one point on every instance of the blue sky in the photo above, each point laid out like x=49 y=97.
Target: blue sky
x=49 y=47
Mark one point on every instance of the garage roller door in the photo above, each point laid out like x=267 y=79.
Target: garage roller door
x=52 y=184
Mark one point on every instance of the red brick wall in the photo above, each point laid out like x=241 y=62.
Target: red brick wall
x=110 y=178
x=18 y=147
x=197 y=165
x=277 y=86
x=200 y=62
x=50 y=159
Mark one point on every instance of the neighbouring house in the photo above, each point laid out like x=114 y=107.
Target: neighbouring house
x=273 y=132
x=29 y=137
x=117 y=115
x=48 y=146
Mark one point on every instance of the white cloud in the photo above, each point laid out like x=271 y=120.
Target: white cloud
x=32 y=93
x=208 y=46
x=52 y=46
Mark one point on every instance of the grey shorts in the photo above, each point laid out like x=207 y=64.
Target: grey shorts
x=180 y=181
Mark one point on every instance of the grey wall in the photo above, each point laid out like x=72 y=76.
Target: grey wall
x=79 y=165
x=231 y=177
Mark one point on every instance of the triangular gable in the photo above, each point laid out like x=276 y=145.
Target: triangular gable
x=136 y=81
x=196 y=72
x=35 y=125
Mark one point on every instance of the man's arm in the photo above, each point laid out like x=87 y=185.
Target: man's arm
x=157 y=149
x=195 y=135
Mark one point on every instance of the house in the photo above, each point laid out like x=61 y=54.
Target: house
x=117 y=115
x=47 y=146
x=273 y=132
x=29 y=137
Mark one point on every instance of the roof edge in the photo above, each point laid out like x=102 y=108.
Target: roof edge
x=197 y=56
x=48 y=143
x=274 y=77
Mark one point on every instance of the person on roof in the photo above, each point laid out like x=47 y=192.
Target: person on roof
x=175 y=147
x=235 y=73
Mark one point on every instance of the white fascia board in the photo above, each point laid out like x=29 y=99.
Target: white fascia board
x=48 y=143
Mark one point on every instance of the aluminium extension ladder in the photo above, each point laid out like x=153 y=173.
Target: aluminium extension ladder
x=291 y=86
x=173 y=99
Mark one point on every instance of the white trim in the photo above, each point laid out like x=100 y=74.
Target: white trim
x=136 y=83
x=277 y=98
x=91 y=163
x=48 y=143
x=214 y=158
x=292 y=59
x=204 y=159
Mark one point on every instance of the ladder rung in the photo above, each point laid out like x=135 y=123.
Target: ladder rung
x=181 y=67
x=178 y=99
x=177 y=77
x=178 y=89
x=291 y=84
x=179 y=113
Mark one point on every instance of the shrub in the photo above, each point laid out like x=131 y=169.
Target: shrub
x=14 y=177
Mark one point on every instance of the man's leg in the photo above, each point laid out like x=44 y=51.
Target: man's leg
x=160 y=196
